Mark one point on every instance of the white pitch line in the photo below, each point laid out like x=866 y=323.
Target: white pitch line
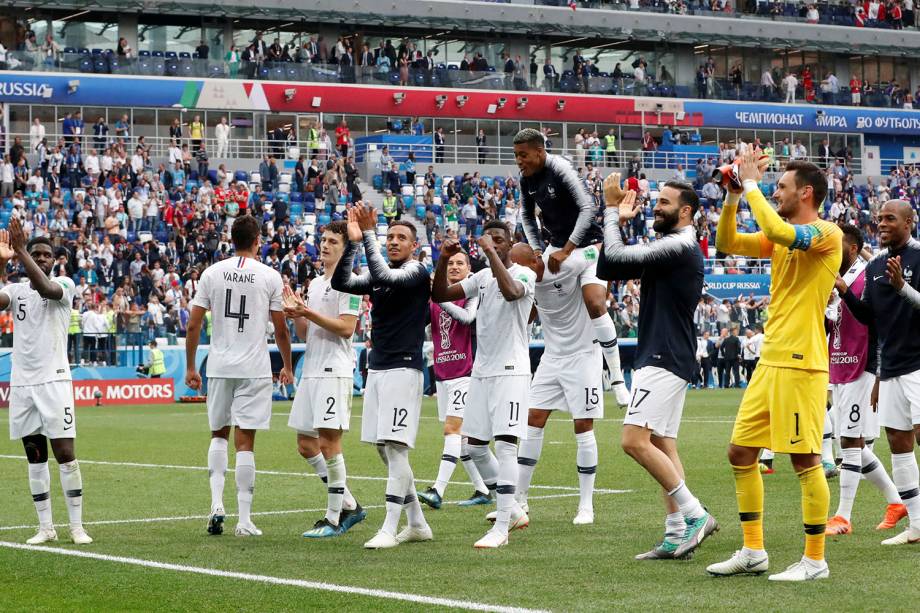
x=301 y=583
x=151 y=520
x=280 y=473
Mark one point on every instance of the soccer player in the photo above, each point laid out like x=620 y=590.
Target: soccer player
x=399 y=293
x=452 y=339
x=853 y=364
x=321 y=409
x=243 y=295
x=569 y=377
x=41 y=392
x=891 y=303
x=784 y=405
x=567 y=212
x=500 y=384
x=671 y=271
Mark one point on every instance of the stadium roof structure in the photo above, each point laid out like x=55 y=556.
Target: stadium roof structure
x=554 y=25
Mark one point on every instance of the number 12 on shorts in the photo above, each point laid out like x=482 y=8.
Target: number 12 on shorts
x=399 y=419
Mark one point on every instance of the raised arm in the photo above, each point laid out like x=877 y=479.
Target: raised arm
x=442 y=291
x=728 y=240
x=45 y=287
x=343 y=279
x=6 y=254
x=511 y=288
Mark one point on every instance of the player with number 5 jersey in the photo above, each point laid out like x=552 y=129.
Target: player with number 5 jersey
x=244 y=296
x=41 y=393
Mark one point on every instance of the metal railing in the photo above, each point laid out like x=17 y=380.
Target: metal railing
x=122 y=349
x=443 y=76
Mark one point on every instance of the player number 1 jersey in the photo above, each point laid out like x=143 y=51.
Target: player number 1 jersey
x=241 y=293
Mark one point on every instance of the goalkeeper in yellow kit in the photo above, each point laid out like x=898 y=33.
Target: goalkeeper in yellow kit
x=784 y=405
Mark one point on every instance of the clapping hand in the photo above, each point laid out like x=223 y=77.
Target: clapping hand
x=613 y=192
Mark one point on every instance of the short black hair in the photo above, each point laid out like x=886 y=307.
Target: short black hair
x=498 y=224
x=807 y=173
x=39 y=240
x=855 y=234
x=530 y=136
x=688 y=196
x=245 y=231
x=407 y=224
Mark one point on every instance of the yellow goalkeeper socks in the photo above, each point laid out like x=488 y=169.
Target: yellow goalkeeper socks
x=749 y=491
x=816 y=497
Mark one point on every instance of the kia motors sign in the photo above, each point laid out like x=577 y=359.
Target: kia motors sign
x=113 y=392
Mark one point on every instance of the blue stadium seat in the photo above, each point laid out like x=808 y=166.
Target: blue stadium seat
x=144 y=53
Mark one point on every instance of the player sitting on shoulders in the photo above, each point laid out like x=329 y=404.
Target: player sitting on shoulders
x=41 y=392
x=243 y=295
x=322 y=404
x=452 y=325
x=549 y=182
x=500 y=383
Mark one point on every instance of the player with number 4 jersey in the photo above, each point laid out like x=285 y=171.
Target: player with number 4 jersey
x=321 y=409
x=41 y=393
x=243 y=296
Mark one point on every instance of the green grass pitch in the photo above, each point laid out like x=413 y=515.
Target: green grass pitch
x=552 y=565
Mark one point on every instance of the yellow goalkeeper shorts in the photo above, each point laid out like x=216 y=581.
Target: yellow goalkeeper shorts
x=783 y=410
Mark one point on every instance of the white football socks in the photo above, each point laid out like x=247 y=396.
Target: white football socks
x=245 y=484
x=586 y=462
x=486 y=463
x=506 y=454
x=606 y=333
x=850 y=475
x=40 y=485
x=452 y=446
x=72 y=484
x=906 y=477
x=827 y=443
x=674 y=528
x=471 y=469
x=335 y=488
x=875 y=473
x=689 y=506
x=217 y=470
x=321 y=468
x=529 y=452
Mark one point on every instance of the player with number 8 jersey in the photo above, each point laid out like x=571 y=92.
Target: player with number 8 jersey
x=244 y=296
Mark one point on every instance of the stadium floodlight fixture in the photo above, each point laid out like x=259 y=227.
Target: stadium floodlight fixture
x=440 y=101
x=521 y=102
x=461 y=100
x=289 y=94
x=398 y=97
x=560 y=104
x=820 y=112
x=502 y=102
x=73 y=85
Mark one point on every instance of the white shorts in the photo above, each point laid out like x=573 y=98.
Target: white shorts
x=899 y=402
x=498 y=406
x=321 y=403
x=244 y=403
x=46 y=408
x=392 y=406
x=657 y=401
x=452 y=397
x=572 y=384
x=854 y=416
